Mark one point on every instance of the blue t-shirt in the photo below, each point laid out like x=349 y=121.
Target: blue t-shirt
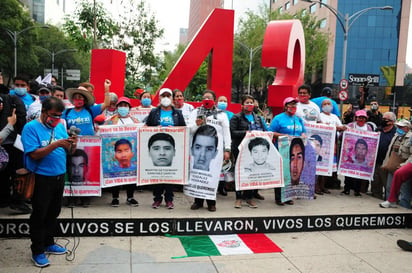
x=35 y=135
x=251 y=120
x=27 y=98
x=82 y=119
x=285 y=124
x=166 y=118
x=229 y=115
x=335 y=107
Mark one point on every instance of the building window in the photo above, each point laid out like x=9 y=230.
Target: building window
x=322 y=23
x=312 y=8
x=304 y=12
x=281 y=10
x=287 y=5
x=273 y=1
x=295 y=2
x=323 y=2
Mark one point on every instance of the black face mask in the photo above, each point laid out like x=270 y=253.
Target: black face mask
x=256 y=110
x=384 y=123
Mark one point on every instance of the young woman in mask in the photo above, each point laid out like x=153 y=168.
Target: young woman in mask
x=164 y=115
x=122 y=117
x=145 y=101
x=179 y=104
x=287 y=124
x=222 y=105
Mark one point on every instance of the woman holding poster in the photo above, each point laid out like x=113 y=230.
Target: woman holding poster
x=204 y=177
x=164 y=115
x=240 y=123
x=122 y=116
x=284 y=124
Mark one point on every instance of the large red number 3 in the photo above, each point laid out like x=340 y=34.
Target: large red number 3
x=284 y=49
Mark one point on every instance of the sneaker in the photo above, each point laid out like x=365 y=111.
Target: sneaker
x=195 y=206
x=387 y=204
x=251 y=203
x=40 y=260
x=357 y=194
x=345 y=192
x=156 y=204
x=115 y=202
x=169 y=205
x=55 y=249
x=132 y=202
x=258 y=196
x=405 y=245
x=20 y=208
x=238 y=203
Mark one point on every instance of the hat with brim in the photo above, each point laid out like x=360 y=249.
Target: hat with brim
x=289 y=100
x=361 y=113
x=123 y=99
x=403 y=123
x=82 y=91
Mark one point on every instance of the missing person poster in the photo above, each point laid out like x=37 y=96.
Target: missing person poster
x=206 y=158
x=119 y=154
x=163 y=155
x=358 y=154
x=299 y=167
x=259 y=164
x=83 y=168
x=141 y=114
x=322 y=137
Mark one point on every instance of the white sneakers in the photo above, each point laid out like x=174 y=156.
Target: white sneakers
x=387 y=204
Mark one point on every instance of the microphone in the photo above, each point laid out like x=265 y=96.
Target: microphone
x=74 y=131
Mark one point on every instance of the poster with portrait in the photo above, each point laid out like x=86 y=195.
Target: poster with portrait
x=140 y=115
x=259 y=164
x=358 y=154
x=163 y=155
x=206 y=158
x=83 y=168
x=322 y=137
x=119 y=153
x=299 y=167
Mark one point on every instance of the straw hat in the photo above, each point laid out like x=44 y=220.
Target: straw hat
x=82 y=91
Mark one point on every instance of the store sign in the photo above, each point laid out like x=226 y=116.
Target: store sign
x=360 y=79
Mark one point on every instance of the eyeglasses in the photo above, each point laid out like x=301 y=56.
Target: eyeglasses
x=54 y=116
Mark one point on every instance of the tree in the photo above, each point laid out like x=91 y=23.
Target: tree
x=134 y=32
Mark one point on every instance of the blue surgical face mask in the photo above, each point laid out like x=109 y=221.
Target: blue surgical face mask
x=146 y=102
x=123 y=111
x=222 y=105
x=42 y=97
x=400 y=132
x=20 y=91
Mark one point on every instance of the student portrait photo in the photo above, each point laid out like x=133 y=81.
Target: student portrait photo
x=79 y=166
x=162 y=149
x=317 y=144
x=123 y=153
x=296 y=159
x=204 y=147
x=259 y=152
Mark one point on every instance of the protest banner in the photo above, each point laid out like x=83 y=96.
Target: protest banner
x=141 y=114
x=299 y=167
x=358 y=154
x=322 y=137
x=206 y=157
x=259 y=164
x=119 y=154
x=83 y=168
x=163 y=155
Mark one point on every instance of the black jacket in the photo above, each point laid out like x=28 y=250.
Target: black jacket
x=154 y=117
x=239 y=125
x=10 y=102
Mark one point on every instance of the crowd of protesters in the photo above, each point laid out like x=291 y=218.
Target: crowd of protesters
x=49 y=113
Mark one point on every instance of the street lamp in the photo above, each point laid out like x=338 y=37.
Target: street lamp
x=52 y=54
x=346 y=22
x=13 y=35
x=251 y=52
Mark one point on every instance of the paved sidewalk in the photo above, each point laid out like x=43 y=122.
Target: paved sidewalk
x=324 y=251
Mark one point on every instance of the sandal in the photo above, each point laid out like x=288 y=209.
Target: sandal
x=290 y=202
x=280 y=203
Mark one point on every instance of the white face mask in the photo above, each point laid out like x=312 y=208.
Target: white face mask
x=166 y=102
x=327 y=108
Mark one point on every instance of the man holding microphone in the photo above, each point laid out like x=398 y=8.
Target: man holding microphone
x=46 y=145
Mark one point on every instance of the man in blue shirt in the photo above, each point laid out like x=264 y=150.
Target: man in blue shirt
x=21 y=90
x=46 y=145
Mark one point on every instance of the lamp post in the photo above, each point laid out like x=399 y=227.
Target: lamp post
x=14 y=35
x=52 y=54
x=251 y=52
x=346 y=22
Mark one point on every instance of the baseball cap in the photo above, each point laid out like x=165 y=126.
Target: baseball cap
x=403 y=123
x=165 y=90
x=123 y=99
x=361 y=113
x=289 y=100
x=327 y=91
